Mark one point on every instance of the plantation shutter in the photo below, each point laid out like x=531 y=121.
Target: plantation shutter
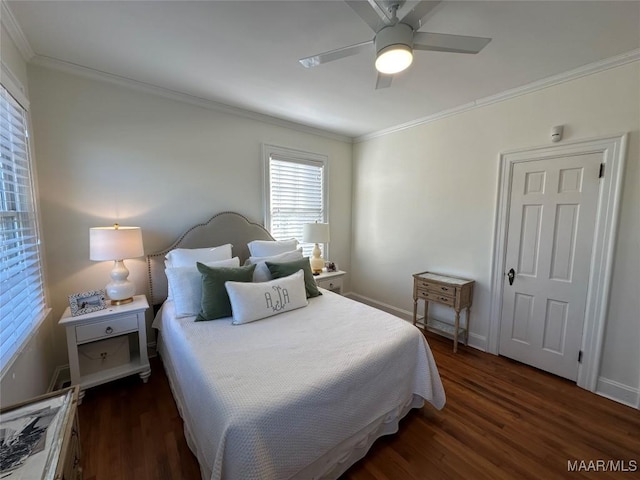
x=296 y=193
x=22 y=302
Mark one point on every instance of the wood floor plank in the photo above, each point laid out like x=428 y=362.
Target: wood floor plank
x=502 y=420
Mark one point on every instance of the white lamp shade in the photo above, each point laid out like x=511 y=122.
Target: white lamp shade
x=115 y=243
x=315 y=232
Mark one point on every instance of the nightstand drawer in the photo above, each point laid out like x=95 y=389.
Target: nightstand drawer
x=436 y=297
x=334 y=284
x=109 y=328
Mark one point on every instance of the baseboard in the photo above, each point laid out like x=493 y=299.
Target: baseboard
x=476 y=341
x=479 y=342
x=618 y=392
x=60 y=375
x=404 y=314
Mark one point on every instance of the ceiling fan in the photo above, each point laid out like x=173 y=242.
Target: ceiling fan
x=396 y=39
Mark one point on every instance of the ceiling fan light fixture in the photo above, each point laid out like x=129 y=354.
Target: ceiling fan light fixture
x=394 y=52
x=394 y=59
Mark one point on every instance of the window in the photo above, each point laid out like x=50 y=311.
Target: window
x=295 y=192
x=22 y=304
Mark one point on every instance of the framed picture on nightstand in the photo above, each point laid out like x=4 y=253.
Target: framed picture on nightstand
x=331 y=266
x=87 y=302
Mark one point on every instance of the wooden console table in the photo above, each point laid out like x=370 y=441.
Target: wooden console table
x=453 y=292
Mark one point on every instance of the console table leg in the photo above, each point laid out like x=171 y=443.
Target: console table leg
x=466 y=333
x=426 y=314
x=415 y=310
x=455 y=332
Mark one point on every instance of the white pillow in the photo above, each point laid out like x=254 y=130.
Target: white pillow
x=185 y=285
x=267 y=248
x=253 y=301
x=262 y=273
x=187 y=257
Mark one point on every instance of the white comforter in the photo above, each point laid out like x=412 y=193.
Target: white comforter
x=271 y=399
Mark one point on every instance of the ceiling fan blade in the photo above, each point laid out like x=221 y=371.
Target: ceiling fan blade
x=372 y=14
x=418 y=13
x=383 y=81
x=332 y=55
x=442 y=42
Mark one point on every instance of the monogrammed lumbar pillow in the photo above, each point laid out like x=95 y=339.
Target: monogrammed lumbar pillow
x=254 y=301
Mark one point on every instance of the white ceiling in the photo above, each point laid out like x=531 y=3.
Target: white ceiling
x=245 y=53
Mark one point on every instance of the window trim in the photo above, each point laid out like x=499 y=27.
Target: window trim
x=15 y=88
x=298 y=156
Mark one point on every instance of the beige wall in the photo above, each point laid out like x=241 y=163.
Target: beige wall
x=425 y=199
x=11 y=57
x=31 y=371
x=108 y=153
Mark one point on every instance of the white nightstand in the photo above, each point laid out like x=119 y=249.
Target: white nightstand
x=331 y=281
x=85 y=332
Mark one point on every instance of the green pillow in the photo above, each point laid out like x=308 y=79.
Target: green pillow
x=279 y=270
x=215 y=300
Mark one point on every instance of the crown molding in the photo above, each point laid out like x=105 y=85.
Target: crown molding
x=15 y=32
x=585 y=70
x=68 y=67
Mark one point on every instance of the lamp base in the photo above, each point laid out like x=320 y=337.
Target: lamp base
x=124 y=301
x=316 y=261
x=120 y=290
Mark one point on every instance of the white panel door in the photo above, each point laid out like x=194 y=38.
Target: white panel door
x=549 y=242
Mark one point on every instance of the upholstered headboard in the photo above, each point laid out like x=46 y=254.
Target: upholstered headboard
x=223 y=228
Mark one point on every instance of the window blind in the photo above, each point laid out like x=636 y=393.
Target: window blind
x=22 y=303
x=296 y=196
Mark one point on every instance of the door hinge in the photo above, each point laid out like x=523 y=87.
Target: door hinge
x=580 y=356
x=601 y=174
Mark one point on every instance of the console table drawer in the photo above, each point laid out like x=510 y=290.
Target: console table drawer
x=438 y=287
x=109 y=328
x=437 y=297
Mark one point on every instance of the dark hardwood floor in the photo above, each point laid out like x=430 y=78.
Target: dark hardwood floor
x=502 y=420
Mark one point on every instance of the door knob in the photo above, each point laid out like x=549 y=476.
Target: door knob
x=511 y=275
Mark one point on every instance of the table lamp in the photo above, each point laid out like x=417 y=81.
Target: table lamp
x=316 y=233
x=117 y=243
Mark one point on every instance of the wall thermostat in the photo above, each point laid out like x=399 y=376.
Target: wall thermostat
x=556 y=133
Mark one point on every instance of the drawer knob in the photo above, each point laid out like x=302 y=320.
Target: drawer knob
x=109 y=331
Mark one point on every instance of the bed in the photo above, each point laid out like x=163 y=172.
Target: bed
x=299 y=395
